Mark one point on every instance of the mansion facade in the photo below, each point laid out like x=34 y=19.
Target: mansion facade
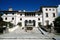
x=44 y=16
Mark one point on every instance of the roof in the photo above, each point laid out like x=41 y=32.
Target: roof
x=8 y=11
x=32 y=11
x=12 y=12
x=49 y=6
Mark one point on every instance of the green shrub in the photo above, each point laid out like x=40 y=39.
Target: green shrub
x=10 y=24
x=20 y=24
x=57 y=24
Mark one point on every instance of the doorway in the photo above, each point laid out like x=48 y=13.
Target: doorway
x=29 y=24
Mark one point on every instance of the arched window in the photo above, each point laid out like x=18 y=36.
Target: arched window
x=26 y=21
x=6 y=18
x=20 y=14
x=29 y=21
x=6 y=13
x=13 y=13
x=47 y=22
x=46 y=14
x=33 y=22
x=53 y=14
x=49 y=9
x=20 y=18
x=38 y=18
x=13 y=18
x=46 y=9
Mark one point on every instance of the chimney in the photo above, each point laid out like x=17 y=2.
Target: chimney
x=24 y=11
x=10 y=9
x=19 y=10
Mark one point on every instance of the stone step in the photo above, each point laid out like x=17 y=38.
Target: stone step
x=26 y=39
x=21 y=34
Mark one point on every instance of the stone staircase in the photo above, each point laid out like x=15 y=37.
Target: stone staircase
x=21 y=34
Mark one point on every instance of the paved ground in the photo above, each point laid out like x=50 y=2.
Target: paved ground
x=21 y=34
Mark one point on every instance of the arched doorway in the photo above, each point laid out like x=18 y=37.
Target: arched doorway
x=29 y=24
x=26 y=21
x=33 y=22
x=47 y=22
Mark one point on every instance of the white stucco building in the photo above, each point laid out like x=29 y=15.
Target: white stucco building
x=44 y=16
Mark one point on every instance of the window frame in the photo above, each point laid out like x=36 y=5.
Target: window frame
x=38 y=14
x=21 y=14
x=47 y=15
x=6 y=13
x=38 y=18
x=5 y=18
x=53 y=14
x=12 y=18
x=12 y=13
x=20 y=19
x=46 y=9
x=49 y=9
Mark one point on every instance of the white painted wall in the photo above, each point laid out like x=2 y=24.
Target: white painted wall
x=28 y=18
x=42 y=17
x=17 y=18
x=9 y=18
x=50 y=15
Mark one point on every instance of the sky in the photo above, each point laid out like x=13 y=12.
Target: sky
x=28 y=5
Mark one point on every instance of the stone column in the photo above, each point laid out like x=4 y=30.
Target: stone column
x=36 y=24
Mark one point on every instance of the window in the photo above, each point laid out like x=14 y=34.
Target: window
x=12 y=18
x=46 y=9
x=53 y=9
x=6 y=13
x=6 y=18
x=20 y=14
x=26 y=21
x=38 y=14
x=29 y=14
x=34 y=22
x=38 y=18
x=13 y=13
x=49 y=9
x=46 y=14
x=53 y=14
x=29 y=21
x=47 y=22
x=20 y=18
x=39 y=23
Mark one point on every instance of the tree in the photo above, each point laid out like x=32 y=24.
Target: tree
x=3 y=23
x=57 y=24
